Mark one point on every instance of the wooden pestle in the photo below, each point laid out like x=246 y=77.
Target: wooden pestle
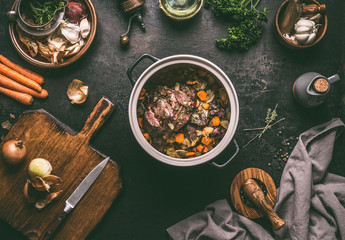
x=257 y=197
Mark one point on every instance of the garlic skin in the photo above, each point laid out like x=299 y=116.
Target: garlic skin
x=84 y=28
x=71 y=32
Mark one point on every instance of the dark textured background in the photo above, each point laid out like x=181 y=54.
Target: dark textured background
x=155 y=196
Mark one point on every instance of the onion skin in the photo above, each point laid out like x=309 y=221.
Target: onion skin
x=14 y=151
x=75 y=12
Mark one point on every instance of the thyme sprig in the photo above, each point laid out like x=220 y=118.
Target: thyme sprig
x=270 y=121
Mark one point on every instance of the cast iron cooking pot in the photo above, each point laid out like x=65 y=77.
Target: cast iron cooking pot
x=161 y=65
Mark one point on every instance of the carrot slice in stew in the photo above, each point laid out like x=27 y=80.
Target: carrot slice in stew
x=215 y=121
x=146 y=136
x=200 y=147
x=179 y=138
x=206 y=106
x=140 y=122
x=190 y=154
x=202 y=95
x=206 y=140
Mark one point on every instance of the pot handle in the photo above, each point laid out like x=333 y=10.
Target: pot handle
x=232 y=157
x=136 y=62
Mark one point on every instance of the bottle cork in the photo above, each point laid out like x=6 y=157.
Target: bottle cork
x=321 y=85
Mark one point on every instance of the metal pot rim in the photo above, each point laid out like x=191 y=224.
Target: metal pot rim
x=199 y=62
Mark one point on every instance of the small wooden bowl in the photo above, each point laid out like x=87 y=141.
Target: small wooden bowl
x=290 y=44
x=42 y=62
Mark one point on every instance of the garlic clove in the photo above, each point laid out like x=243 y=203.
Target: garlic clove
x=304 y=23
x=303 y=30
x=301 y=38
x=84 y=28
x=311 y=38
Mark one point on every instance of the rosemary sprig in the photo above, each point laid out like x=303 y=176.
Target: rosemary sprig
x=269 y=120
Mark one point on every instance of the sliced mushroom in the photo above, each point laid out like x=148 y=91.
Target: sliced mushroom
x=77 y=92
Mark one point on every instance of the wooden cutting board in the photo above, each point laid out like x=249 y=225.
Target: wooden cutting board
x=72 y=159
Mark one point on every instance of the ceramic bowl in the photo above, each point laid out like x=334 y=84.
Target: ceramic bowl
x=42 y=62
x=290 y=44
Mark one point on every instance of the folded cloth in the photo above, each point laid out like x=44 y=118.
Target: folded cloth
x=310 y=200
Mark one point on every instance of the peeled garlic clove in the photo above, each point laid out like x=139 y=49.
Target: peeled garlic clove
x=303 y=30
x=84 y=28
x=77 y=92
x=311 y=38
x=304 y=23
x=301 y=38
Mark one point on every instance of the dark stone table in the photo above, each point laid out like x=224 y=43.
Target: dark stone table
x=156 y=196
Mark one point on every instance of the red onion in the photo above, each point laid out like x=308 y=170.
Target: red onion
x=75 y=11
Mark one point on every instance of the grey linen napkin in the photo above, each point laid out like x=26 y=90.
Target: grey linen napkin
x=310 y=200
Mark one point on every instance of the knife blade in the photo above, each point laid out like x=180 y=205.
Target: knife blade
x=74 y=198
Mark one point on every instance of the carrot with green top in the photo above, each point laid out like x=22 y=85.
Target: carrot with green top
x=12 y=85
x=27 y=73
x=202 y=95
x=18 y=96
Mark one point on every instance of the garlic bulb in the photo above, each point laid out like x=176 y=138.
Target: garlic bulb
x=306 y=31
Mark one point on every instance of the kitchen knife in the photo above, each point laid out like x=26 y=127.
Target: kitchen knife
x=73 y=200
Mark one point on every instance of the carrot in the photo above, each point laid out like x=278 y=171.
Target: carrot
x=190 y=82
x=206 y=106
x=27 y=73
x=202 y=95
x=142 y=92
x=205 y=150
x=146 y=136
x=140 y=122
x=10 y=84
x=190 y=154
x=206 y=140
x=19 y=78
x=215 y=121
x=18 y=96
x=200 y=147
x=179 y=138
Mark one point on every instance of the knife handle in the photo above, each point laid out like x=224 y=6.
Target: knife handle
x=53 y=226
x=99 y=115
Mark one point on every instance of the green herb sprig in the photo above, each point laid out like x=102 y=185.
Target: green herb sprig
x=245 y=19
x=44 y=11
x=270 y=121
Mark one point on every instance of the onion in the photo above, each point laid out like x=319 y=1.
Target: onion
x=75 y=12
x=14 y=151
x=39 y=167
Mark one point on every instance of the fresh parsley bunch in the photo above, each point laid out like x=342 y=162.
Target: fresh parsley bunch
x=245 y=19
